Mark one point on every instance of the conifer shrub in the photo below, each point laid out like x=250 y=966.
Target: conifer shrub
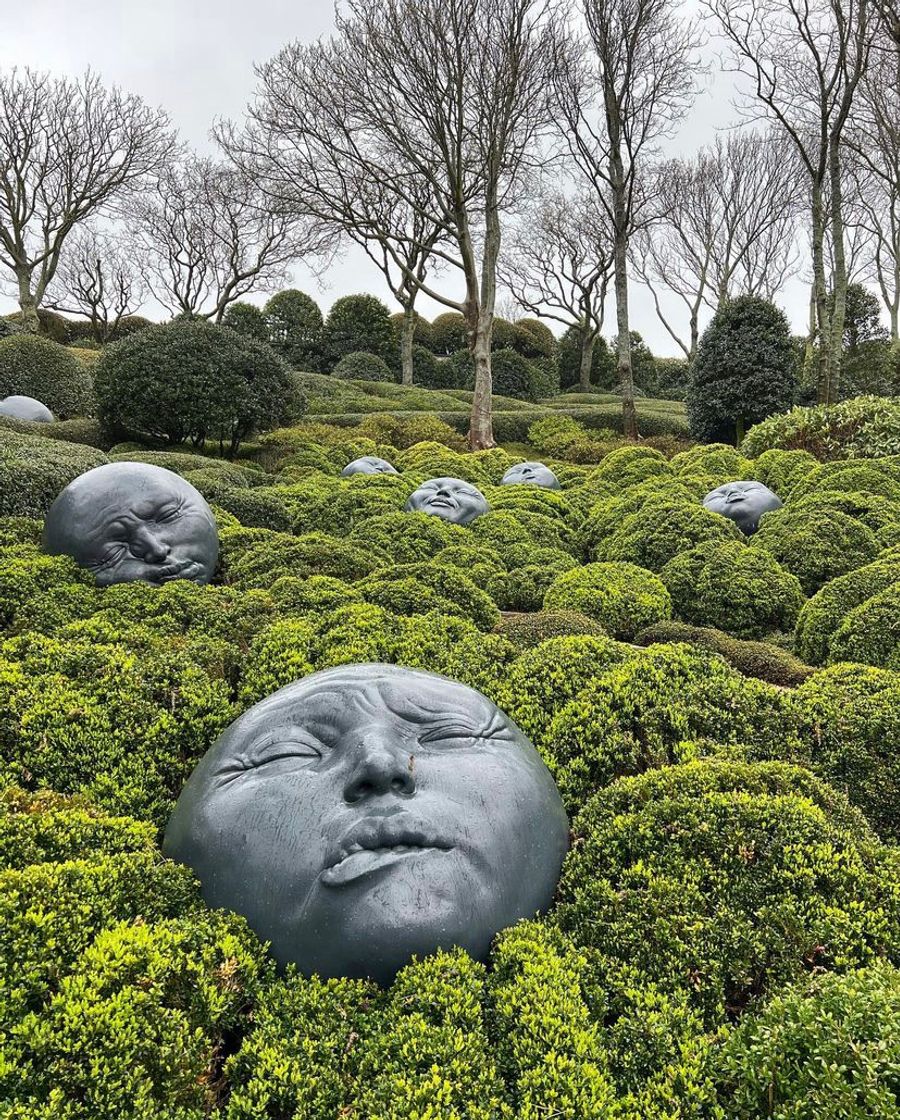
x=33 y=471
x=723 y=880
x=621 y=597
x=730 y=587
x=827 y=1049
x=37 y=367
x=816 y=545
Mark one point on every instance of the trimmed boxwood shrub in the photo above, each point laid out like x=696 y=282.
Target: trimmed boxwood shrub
x=629 y=465
x=724 y=880
x=193 y=380
x=719 y=459
x=33 y=470
x=407 y=538
x=816 y=545
x=362 y=366
x=728 y=586
x=274 y=555
x=762 y=660
x=448 y=333
x=850 y=721
x=782 y=470
x=408 y=589
x=36 y=367
x=295 y=328
x=870 y=476
x=246 y=319
x=621 y=597
x=825 y=1050
x=526 y=631
x=523 y=587
x=360 y=322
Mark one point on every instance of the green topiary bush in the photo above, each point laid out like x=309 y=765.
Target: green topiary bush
x=723 y=880
x=362 y=366
x=730 y=587
x=448 y=333
x=407 y=538
x=825 y=1050
x=862 y=426
x=359 y=323
x=273 y=555
x=192 y=380
x=781 y=470
x=816 y=545
x=33 y=470
x=622 y=598
x=744 y=371
x=247 y=319
x=409 y=589
x=36 y=367
x=526 y=631
x=295 y=329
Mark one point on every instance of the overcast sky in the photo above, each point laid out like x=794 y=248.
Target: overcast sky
x=195 y=58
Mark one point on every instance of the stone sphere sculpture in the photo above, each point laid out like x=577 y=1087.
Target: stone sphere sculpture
x=368 y=464
x=133 y=521
x=454 y=499
x=537 y=474
x=25 y=408
x=744 y=503
x=368 y=813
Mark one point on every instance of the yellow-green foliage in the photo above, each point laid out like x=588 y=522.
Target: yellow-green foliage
x=621 y=597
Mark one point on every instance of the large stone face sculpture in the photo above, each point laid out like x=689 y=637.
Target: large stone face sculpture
x=744 y=503
x=454 y=499
x=25 y=408
x=537 y=474
x=368 y=813
x=368 y=464
x=134 y=521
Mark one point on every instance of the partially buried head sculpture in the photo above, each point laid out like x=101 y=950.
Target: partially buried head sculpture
x=453 y=499
x=368 y=464
x=25 y=408
x=368 y=813
x=133 y=521
x=744 y=503
x=537 y=474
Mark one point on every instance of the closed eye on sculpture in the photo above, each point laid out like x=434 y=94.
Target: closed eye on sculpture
x=272 y=751
x=447 y=734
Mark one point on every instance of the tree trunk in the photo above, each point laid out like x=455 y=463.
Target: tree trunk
x=481 y=424
x=807 y=375
x=839 y=280
x=28 y=306
x=588 y=341
x=620 y=272
x=407 y=333
x=823 y=378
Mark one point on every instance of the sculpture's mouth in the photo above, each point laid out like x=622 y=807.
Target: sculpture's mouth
x=441 y=503
x=176 y=569
x=733 y=498
x=375 y=845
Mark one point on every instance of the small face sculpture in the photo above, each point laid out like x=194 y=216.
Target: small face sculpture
x=133 y=521
x=451 y=498
x=25 y=408
x=744 y=503
x=368 y=813
x=537 y=474
x=368 y=464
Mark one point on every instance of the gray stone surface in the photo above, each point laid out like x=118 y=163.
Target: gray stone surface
x=368 y=464
x=25 y=408
x=368 y=813
x=134 y=521
x=453 y=499
x=744 y=503
x=537 y=474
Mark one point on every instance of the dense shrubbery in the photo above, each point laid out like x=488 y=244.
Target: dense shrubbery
x=295 y=328
x=862 y=426
x=816 y=545
x=33 y=470
x=36 y=367
x=358 y=323
x=362 y=366
x=621 y=597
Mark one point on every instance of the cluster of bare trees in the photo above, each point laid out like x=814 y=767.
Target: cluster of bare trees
x=472 y=147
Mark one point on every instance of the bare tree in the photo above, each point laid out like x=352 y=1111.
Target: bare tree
x=558 y=265
x=440 y=103
x=207 y=237
x=726 y=228
x=889 y=11
x=68 y=148
x=617 y=92
x=805 y=59
x=99 y=278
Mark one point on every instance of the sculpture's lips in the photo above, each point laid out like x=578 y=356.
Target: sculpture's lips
x=377 y=844
x=444 y=503
x=181 y=569
x=735 y=498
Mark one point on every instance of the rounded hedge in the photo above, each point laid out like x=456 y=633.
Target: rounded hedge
x=359 y=323
x=861 y=426
x=816 y=545
x=362 y=366
x=824 y=614
x=246 y=319
x=294 y=324
x=36 y=367
x=621 y=597
x=33 y=470
x=730 y=587
x=192 y=380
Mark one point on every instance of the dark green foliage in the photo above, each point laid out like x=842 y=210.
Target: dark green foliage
x=826 y=1050
x=525 y=584
x=603 y=362
x=850 y=719
x=448 y=333
x=724 y=880
x=762 y=660
x=247 y=319
x=427 y=370
x=358 y=323
x=730 y=587
x=621 y=597
x=36 y=367
x=782 y=470
x=816 y=545
x=295 y=329
x=423 y=335
x=192 y=380
x=744 y=370
x=542 y=341
x=862 y=426
x=33 y=470
x=643 y=364
x=362 y=366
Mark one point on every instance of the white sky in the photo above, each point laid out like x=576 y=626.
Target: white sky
x=195 y=58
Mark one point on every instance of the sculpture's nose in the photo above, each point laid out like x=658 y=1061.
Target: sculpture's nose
x=148 y=546
x=380 y=766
